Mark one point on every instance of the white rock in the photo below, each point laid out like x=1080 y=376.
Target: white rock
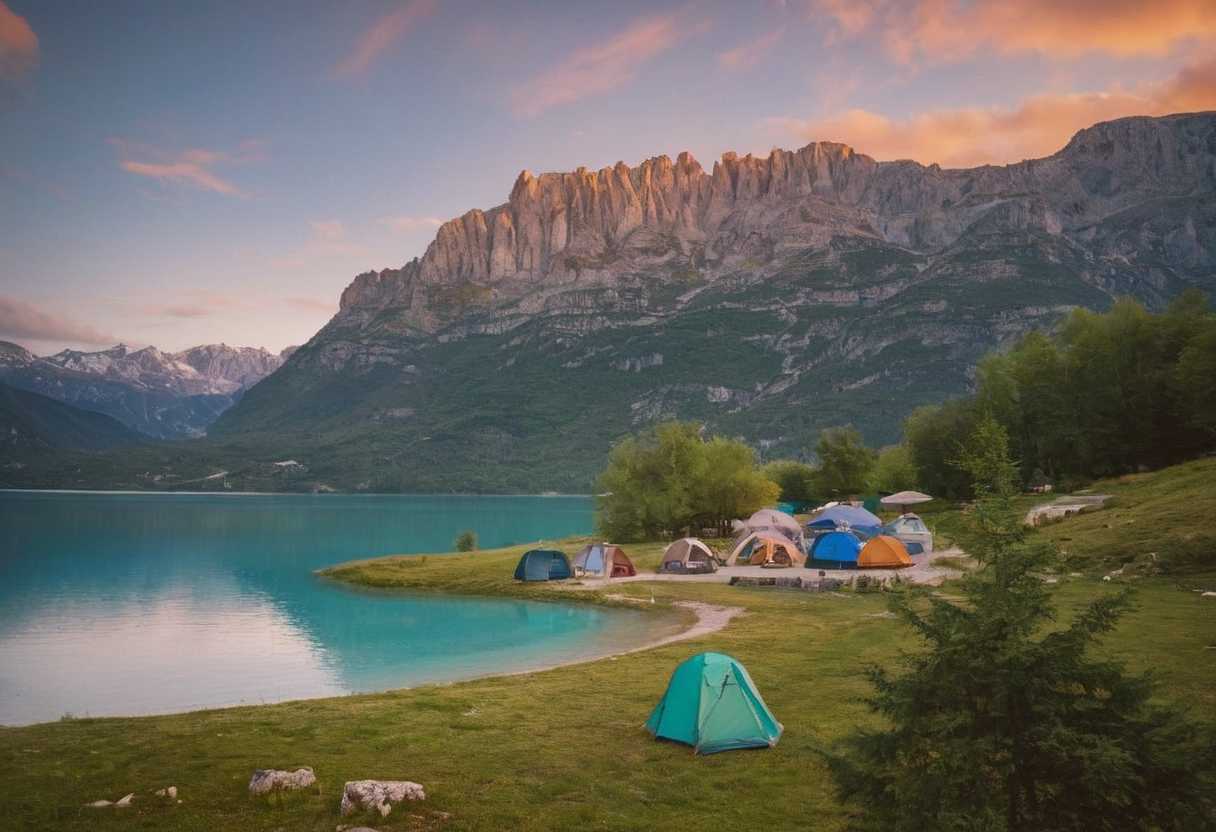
x=266 y=780
x=124 y=802
x=170 y=792
x=1208 y=595
x=98 y=804
x=378 y=794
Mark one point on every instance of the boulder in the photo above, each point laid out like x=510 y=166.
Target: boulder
x=170 y=792
x=378 y=794
x=124 y=802
x=266 y=780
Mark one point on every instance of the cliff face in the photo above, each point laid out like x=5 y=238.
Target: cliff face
x=593 y=226
x=768 y=297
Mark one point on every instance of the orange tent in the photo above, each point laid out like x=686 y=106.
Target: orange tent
x=883 y=552
x=764 y=549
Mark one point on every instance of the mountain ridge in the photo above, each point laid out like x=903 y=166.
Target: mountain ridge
x=162 y=395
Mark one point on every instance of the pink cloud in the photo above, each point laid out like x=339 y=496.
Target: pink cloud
x=382 y=34
x=18 y=44
x=948 y=30
x=407 y=224
x=328 y=240
x=192 y=167
x=1038 y=126
x=751 y=53
x=592 y=70
x=19 y=319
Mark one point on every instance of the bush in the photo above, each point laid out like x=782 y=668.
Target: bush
x=466 y=541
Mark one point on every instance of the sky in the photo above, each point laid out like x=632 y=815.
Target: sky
x=184 y=173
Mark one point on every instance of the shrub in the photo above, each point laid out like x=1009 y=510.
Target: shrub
x=466 y=541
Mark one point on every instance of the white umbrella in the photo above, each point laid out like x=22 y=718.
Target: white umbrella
x=903 y=499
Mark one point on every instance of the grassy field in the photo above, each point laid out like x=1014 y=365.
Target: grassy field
x=558 y=749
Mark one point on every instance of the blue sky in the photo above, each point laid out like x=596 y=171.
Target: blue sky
x=183 y=173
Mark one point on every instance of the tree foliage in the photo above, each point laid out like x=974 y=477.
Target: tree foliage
x=1110 y=392
x=1007 y=721
x=894 y=470
x=795 y=479
x=845 y=462
x=669 y=479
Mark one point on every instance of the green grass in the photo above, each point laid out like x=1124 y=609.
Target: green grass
x=563 y=748
x=1168 y=512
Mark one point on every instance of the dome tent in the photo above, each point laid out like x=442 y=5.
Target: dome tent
x=844 y=515
x=835 y=550
x=603 y=560
x=883 y=552
x=712 y=704
x=542 y=565
x=765 y=549
x=688 y=555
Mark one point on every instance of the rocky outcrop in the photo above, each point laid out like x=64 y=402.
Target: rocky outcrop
x=267 y=780
x=378 y=795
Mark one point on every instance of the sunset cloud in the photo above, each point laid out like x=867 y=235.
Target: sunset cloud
x=751 y=53
x=1037 y=126
x=593 y=70
x=193 y=168
x=937 y=31
x=384 y=33
x=408 y=224
x=327 y=241
x=18 y=45
x=22 y=320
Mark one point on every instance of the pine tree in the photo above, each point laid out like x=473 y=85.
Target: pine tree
x=1008 y=722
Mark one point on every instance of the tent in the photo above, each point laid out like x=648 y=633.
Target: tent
x=542 y=565
x=902 y=499
x=883 y=552
x=765 y=549
x=688 y=555
x=844 y=515
x=835 y=550
x=910 y=530
x=603 y=560
x=713 y=705
x=768 y=519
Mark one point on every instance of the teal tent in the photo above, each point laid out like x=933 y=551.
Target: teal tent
x=542 y=565
x=712 y=705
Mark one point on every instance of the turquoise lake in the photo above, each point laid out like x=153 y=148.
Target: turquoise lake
x=125 y=604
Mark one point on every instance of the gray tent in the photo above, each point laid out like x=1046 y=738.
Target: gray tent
x=688 y=555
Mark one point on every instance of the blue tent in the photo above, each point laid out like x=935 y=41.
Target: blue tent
x=542 y=565
x=856 y=518
x=835 y=550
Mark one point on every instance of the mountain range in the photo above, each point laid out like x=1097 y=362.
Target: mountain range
x=161 y=395
x=766 y=297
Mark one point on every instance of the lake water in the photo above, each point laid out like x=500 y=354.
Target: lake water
x=123 y=604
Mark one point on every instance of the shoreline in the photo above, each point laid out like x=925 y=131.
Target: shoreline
x=335 y=493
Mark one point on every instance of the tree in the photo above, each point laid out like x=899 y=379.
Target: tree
x=669 y=479
x=894 y=470
x=1007 y=722
x=931 y=435
x=844 y=462
x=795 y=479
x=466 y=541
x=985 y=459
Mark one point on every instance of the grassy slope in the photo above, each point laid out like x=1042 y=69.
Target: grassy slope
x=1169 y=512
x=558 y=749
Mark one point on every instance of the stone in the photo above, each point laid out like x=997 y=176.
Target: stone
x=379 y=795
x=266 y=780
x=170 y=792
x=99 y=804
x=124 y=802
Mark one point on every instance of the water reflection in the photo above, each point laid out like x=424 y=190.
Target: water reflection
x=126 y=604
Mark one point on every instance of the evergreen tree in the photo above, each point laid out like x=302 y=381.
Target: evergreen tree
x=1008 y=723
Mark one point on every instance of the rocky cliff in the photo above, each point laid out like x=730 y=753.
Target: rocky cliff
x=768 y=297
